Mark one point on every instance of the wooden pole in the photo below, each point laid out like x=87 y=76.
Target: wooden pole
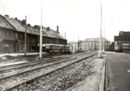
x=25 y=39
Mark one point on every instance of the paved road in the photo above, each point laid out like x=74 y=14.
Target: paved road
x=118 y=71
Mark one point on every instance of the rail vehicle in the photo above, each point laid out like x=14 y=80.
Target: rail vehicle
x=56 y=48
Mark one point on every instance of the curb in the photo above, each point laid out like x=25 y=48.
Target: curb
x=102 y=80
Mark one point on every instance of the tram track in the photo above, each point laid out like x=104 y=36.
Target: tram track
x=24 y=74
x=46 y=60
x=18 y=70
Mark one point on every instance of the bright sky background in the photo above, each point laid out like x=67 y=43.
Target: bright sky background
x=80 y=19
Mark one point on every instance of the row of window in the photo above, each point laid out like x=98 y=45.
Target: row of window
x=12 y=35
x=7 y=34
x=54 y=41
x=122 y=39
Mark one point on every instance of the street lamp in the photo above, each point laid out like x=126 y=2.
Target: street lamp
x=40 y=48
x=103 y=51
x=100 y=40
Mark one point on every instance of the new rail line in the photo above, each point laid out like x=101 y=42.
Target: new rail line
x=15 y=75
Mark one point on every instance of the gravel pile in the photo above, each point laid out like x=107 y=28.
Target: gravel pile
x=59 y=80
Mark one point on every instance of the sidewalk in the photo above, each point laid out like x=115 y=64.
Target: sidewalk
x=94 y=82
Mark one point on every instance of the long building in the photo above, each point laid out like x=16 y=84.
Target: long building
x=12 y=35
x=122 y=41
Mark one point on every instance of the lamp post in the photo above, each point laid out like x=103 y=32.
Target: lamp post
x=100 y=40
x=40 y=48
x=103 y=51
x=103 y=33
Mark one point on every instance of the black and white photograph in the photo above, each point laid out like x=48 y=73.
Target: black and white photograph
x=64 y=45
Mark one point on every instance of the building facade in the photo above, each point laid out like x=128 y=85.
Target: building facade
x=12 y=36
x=89 y=44
x=122 y=42
x=93 y=44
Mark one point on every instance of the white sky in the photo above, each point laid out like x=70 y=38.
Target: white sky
x=75 y=17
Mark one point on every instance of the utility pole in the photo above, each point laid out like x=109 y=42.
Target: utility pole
x=40 y=48
x=73 y=44
x=100 y=40
x=78 y=43
x=104 y=41
x=103 y=34
x=25 y=37
x=65 y=35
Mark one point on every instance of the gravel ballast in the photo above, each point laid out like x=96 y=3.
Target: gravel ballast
x=59 y=80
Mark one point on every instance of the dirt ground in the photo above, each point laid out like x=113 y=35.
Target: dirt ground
x=91 y=82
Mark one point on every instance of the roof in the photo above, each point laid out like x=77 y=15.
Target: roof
x=4 y=23
x=94 y=39
x=17 y=24
x=124 y=33
x=52 y=33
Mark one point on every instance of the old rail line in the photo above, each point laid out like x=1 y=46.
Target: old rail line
x=13 y=77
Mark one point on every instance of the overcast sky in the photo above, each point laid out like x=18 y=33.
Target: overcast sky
x=80 y=19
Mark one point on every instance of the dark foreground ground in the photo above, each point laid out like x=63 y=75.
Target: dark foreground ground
x=118 y=71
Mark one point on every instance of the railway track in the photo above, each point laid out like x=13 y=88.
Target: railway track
x=45 y=60
x=17 y=74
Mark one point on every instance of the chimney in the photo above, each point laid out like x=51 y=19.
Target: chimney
x=16 y=18
x=48 y=28
x=6 y=15
x=23 y=21
x=57 y=29
x=29 y=25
